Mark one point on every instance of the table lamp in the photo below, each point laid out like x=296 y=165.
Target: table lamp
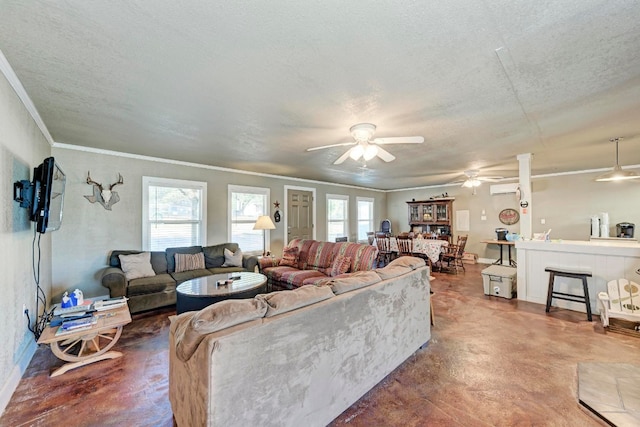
x=264 y=223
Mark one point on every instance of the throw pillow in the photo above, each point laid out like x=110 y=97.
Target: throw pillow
x=289 y=257
x=137 y=265
x=187 y=262
x=171 y=252
x=340 y=266
x=214 y=255
x=232 y=259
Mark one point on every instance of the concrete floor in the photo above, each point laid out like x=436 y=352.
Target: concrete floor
x=611 y=391
x=491 y=362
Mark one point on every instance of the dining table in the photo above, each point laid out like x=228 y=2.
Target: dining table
x=432 y=248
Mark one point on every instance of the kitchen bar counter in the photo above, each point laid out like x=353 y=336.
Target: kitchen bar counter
x=605 y=259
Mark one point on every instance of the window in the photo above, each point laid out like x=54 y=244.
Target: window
x=246 y=204
x=365 y=217
x=337 y=216
x=174 y=213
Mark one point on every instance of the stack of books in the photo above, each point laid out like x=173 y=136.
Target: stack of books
x=76 y=324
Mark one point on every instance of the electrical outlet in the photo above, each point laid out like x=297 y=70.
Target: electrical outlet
x=543 y=221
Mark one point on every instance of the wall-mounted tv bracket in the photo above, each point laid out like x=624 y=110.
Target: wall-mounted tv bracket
x=23 y=193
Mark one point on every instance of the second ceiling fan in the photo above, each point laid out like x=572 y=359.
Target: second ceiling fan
x=367 y=148
x=472 y=179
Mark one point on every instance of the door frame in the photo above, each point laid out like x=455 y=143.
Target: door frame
x=286 y=209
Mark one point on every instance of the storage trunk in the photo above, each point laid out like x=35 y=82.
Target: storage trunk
x=499 y=281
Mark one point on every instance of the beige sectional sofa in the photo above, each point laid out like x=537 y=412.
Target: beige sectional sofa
x=297 y=357
x=158 y=289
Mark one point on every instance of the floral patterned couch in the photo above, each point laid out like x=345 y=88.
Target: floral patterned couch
x=310 y=262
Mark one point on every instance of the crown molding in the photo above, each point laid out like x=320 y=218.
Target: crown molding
x=201 y=166
x=16 y=84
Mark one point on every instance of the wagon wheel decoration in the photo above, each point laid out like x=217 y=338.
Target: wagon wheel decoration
x=89 y=345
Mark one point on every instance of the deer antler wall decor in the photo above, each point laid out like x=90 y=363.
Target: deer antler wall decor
x=106 y=198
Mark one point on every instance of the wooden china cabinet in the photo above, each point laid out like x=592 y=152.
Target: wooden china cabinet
x=432 y=216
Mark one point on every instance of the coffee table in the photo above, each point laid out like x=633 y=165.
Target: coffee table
x=196 y=294
x=87 y=346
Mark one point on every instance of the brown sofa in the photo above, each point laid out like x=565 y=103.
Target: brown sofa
x=314 y=262
x=146 y=293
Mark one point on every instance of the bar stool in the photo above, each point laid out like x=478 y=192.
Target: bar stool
x=582 y=275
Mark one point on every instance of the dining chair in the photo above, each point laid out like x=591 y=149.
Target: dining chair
x=453 y=254
x=384 y=249
x=385 y=226
x=405 y=245
x=371 y=237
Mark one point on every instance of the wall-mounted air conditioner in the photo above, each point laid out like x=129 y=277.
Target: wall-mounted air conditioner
x=503 y=188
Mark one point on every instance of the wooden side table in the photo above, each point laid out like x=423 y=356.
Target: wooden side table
x=502 y=244
x=87 y=346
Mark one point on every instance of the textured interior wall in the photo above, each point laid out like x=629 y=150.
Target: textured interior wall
x=22 y=147
x=566 y=203
x=89 y=232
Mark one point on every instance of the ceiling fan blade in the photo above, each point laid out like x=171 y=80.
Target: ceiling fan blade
x=322 y=147
x=490 y=178
x=385 y=155
x=399 y=140
x=342 y=158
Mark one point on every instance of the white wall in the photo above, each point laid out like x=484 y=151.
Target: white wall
x=22 y=147
x=89 y=232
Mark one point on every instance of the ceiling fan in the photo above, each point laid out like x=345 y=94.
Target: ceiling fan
x=473 y=179
x=368 y=148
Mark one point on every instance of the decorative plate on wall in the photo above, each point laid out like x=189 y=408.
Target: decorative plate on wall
x=509 y=216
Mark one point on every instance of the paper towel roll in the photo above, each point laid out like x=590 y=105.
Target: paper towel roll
x=595 y=226
x=604 y=230
x=604 y=219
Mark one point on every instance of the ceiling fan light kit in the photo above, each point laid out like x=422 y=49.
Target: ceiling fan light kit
x=370 y=152
x=367 y=148
x=617 y=174
x=472 y=182
x=356 y=152
x=362 y=131
x=472 y=179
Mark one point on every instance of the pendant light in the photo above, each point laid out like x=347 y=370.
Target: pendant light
x=617 y=174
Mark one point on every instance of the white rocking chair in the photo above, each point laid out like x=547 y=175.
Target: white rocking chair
x=622 y=301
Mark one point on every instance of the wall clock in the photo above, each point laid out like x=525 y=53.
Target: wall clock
x=509 y=216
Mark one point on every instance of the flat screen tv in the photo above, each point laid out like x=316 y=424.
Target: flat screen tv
x=44 y=195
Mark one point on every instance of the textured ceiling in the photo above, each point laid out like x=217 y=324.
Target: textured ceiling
x=251 y=85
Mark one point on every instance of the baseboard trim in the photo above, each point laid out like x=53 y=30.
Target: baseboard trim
x=16 y=374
